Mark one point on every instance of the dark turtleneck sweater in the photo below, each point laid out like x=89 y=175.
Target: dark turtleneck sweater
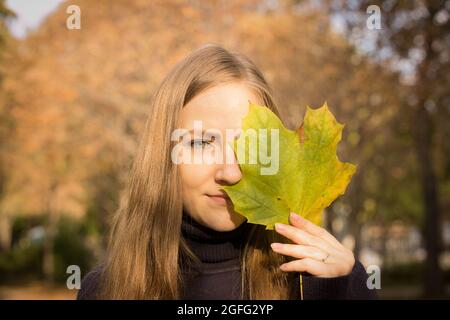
x=217 y=275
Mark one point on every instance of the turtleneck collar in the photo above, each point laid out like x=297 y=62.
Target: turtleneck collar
x=212 y=246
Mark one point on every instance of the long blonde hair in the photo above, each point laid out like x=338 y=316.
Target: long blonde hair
x=146 y=245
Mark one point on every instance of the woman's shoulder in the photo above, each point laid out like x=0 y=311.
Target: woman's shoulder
x=90 y=284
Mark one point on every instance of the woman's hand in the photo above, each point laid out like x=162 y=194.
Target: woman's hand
x=317 y=251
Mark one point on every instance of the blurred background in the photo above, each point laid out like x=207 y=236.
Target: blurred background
x=73 y=103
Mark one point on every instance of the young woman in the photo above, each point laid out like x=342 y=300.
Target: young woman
x=176 y=235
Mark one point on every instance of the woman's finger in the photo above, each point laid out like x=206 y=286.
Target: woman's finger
x=302 y=223
x=299 y=251
x=309 y=265
x=300 y=236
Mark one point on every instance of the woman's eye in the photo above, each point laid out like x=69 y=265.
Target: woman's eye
x=199 y=143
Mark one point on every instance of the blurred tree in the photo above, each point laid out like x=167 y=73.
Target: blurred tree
x=415 y=35
x=5 y=14
x=5 y=128
x=81 y=96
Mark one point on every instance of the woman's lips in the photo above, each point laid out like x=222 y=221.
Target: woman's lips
x=219 y=199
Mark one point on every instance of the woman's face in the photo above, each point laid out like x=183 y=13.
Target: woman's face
x=205 y=169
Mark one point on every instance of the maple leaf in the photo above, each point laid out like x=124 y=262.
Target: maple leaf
x=308 y=176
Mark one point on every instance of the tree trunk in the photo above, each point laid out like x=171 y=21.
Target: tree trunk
x=48 y=249
x=329 y=217
x=356 y=201
x=431 y=230
x=48 y=262
x=422 y=127
x=355 y=231
x=5 y=232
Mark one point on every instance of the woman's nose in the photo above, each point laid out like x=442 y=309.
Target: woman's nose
x=229 y=171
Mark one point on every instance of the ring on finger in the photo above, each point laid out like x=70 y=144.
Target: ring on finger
x=325 y=259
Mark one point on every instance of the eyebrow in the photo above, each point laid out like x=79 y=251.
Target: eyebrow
x=206 y=131
x=192 y=130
